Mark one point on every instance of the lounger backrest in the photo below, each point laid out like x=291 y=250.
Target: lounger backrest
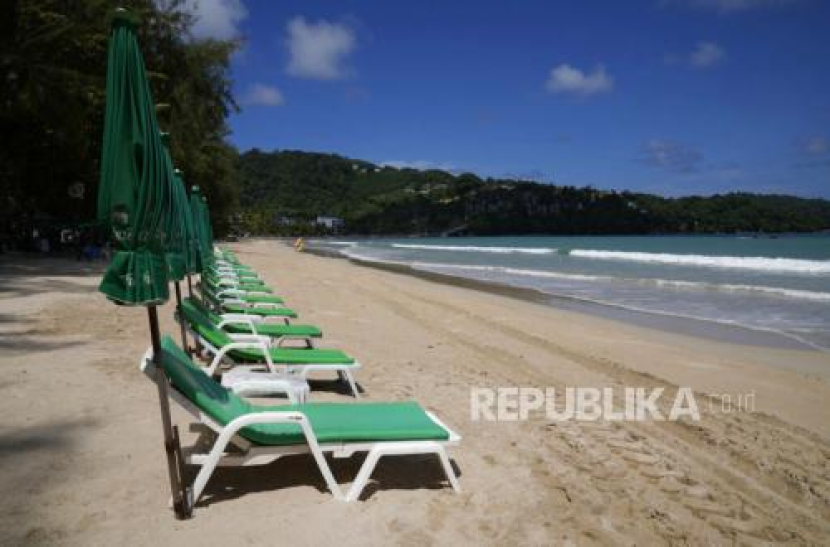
x=203 y=326
x=217 y=402
x=209 y=283
x=204 y=310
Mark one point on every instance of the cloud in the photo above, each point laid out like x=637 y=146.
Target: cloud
x=816 y=146
x=672 y=156
x=263 y=95
x=730 y=6
x=707 y=54
x=319 y=50
x=567 y=79
x=217 y=19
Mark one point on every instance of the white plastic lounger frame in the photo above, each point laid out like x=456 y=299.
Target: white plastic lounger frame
x=252 y=454
x=233 y=292
x=251 y=322
x=263 y=343
x=234 y=283
x=256 y=318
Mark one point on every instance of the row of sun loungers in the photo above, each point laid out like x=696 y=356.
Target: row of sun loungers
x=251 y=348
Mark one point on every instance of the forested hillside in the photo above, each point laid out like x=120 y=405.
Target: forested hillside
x=282 y=192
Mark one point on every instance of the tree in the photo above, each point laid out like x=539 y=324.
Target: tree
x=53 y=56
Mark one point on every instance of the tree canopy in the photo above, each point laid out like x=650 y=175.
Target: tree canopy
x=53 y=56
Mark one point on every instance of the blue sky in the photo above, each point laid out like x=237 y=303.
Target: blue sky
x=668 y=96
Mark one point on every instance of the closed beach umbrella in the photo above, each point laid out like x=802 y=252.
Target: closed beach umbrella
x=136 y=202
x=178 y=255
x=201 y=221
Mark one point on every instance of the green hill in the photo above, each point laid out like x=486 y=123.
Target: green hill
x=284 y=191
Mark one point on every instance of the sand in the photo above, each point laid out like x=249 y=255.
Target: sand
x=81 y=459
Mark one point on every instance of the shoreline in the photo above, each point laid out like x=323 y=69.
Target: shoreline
x=704 y=329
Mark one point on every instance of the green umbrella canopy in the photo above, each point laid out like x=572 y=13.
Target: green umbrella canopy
x=208 y=225
x=192 y=240
x=178 y=255
x=198 y=210
x=136 y=196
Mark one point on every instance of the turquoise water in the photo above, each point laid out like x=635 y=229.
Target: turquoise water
x=779 y=284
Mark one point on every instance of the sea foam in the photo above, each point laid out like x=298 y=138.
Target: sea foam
x=757 y=263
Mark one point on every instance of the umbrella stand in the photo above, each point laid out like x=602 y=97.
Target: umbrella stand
x=181 y=319
x=181 y=505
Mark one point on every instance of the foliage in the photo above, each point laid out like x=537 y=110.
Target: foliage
x=282 y=192
x=53 y=56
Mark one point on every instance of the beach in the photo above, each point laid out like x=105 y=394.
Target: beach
x=82 y=461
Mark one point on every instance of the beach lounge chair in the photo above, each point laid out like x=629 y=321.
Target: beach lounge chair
x=248 y=277
x=241 y=433
x=247 y=349
x=256 y=285
x=255 y=296
x=254 y=324
x=228 y=304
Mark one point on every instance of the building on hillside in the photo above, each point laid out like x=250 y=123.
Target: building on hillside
x=334 y=224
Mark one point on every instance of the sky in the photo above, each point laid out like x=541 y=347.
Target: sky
x=673 y=97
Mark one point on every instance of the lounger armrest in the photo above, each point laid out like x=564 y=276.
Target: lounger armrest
x=237 y=320
x=241 y=317
x=263 y=348
x=243 y=337
x=265 y=305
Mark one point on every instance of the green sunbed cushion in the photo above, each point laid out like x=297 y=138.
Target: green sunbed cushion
x=276 y=329
x=295 y=356
x=331 y=422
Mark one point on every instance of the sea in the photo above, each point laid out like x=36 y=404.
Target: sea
x=778 y=285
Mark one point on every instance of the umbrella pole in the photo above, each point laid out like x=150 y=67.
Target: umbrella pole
x=181 y=318
x=181 y=505
x=189 y=287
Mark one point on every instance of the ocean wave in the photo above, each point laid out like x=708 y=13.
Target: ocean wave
x=477 y=249
x=339 y=243
x=757 y=263
x=799 y=294
x=511 y=271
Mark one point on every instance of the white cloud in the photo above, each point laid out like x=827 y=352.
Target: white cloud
x=707 y=54
x=731 y=6
x=263 y=95
x=817 y=146
x=218 y=19
x=672 y=156
x=567 y=79
x=319 y=50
